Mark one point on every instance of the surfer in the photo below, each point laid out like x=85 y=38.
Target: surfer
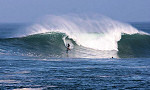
x=68 y=47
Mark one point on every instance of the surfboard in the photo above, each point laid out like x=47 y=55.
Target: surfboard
x=67 y=50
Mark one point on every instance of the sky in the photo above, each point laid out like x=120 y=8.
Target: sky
x=31 y=10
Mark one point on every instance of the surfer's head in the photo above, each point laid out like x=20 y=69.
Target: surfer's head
x=68 y=45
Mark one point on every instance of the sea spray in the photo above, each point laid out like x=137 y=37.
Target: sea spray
x=89 y=37
x=96 y=32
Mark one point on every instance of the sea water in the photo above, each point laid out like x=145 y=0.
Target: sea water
x=33 y=56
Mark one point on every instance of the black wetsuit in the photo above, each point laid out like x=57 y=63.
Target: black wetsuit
x=68 y=47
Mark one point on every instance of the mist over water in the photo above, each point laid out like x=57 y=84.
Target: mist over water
x=91 y=36
x=96 y=32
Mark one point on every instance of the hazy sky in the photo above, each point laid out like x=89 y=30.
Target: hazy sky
x=31 y=10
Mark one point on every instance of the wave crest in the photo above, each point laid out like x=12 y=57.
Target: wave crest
x=96 y=32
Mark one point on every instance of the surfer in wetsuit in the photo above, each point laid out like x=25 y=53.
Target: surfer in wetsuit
x=68 y=47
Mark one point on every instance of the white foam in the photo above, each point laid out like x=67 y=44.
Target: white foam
x=97 y=32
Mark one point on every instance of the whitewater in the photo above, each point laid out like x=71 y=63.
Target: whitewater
x=96 y=32
x=33 y=55
x=89 y=37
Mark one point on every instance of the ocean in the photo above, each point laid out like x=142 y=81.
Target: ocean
x=105 y=54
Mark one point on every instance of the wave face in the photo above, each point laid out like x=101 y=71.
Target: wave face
x=135 y=45
x=89 y=36
x=49 y=44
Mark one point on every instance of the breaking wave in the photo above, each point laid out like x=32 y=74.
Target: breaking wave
x=89 y=36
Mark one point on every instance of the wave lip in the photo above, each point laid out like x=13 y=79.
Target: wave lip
x=88 y=36
x=96 y=32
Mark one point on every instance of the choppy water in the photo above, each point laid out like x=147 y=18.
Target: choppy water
x=75 y=74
